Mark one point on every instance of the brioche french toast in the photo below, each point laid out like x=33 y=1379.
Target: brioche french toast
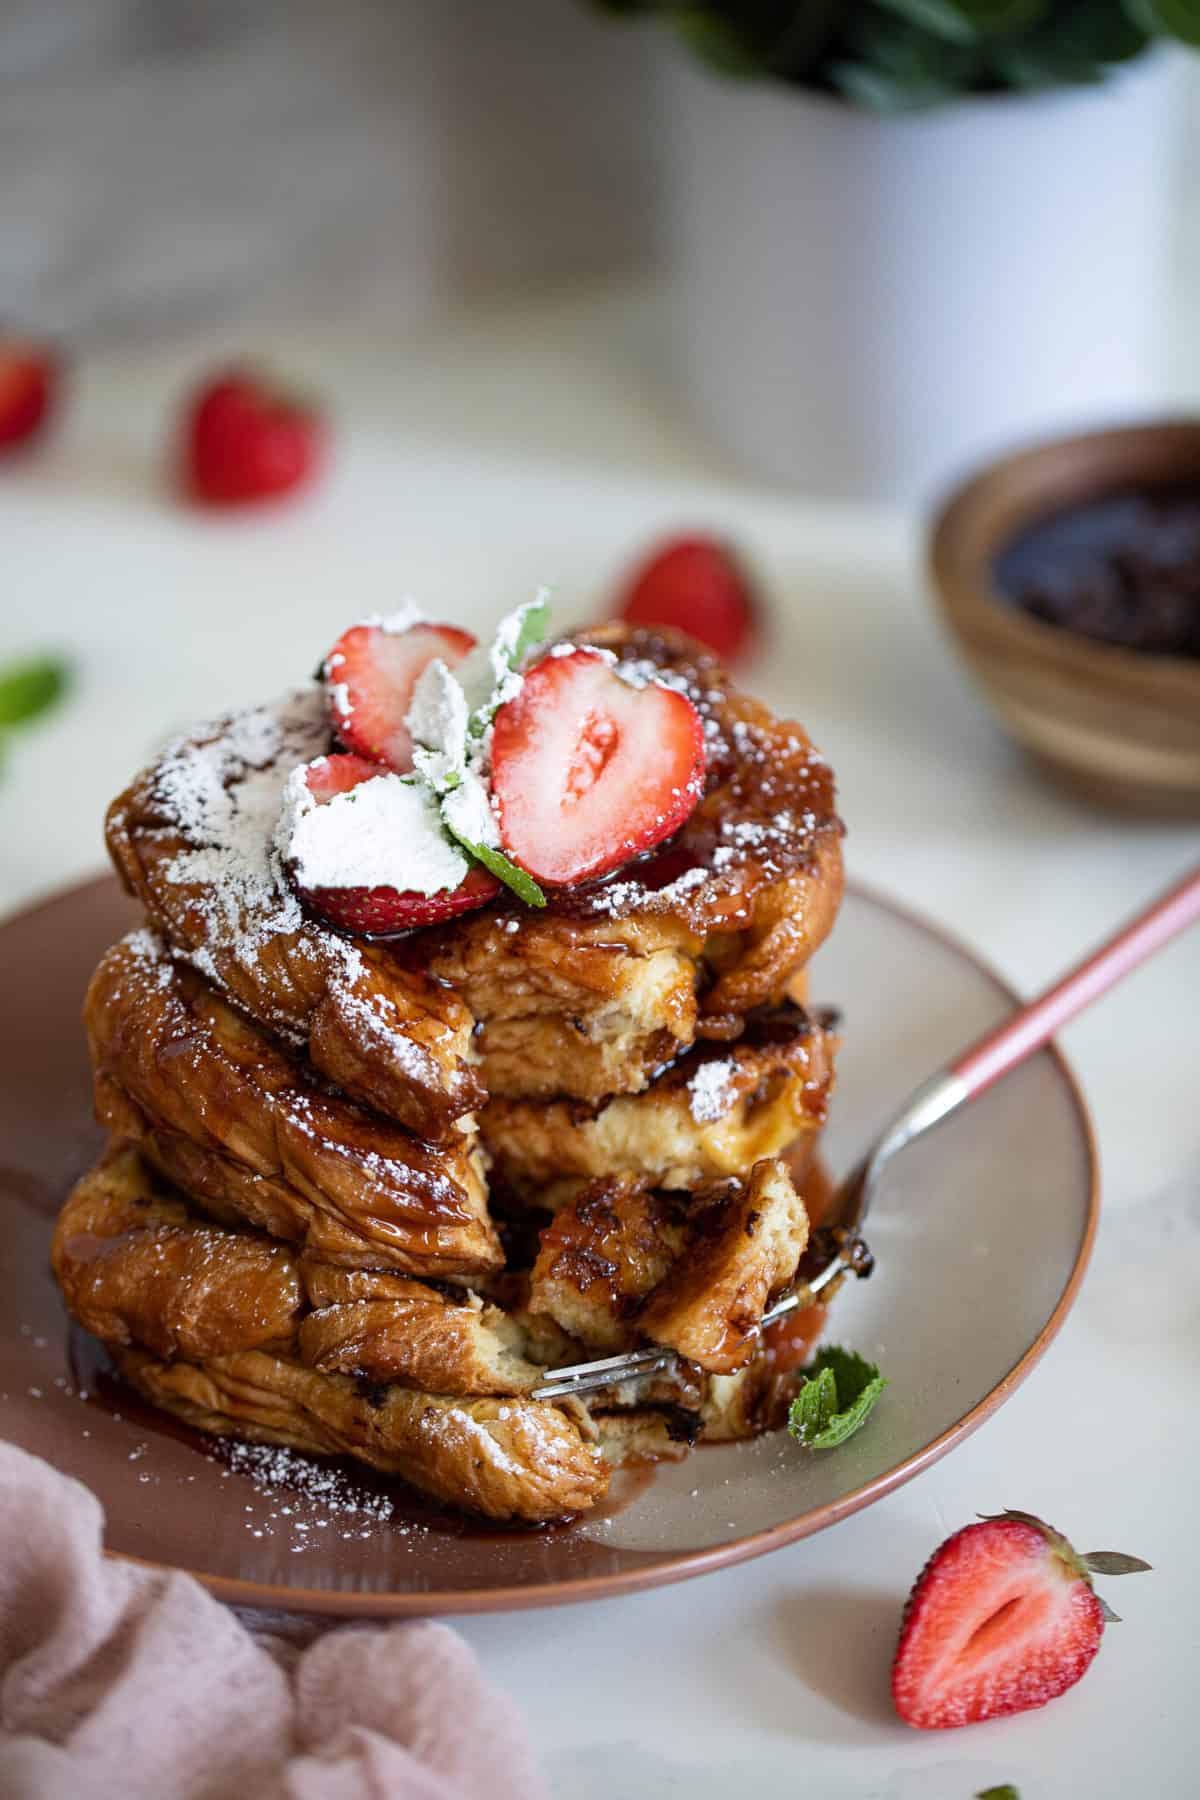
x=193 y=840
x=586 y=997
x=715 y=1110
x=462 y=1041
x=624 y=1263
x=237 y=1333
x=245 y=1129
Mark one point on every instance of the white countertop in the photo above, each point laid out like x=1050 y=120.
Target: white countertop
x=543 y=443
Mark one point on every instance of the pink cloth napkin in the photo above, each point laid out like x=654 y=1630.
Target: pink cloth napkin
x=116 y=1680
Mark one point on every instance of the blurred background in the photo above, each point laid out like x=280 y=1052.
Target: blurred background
x=560 y=281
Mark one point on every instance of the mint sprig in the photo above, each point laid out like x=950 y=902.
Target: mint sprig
x=30 y=688
x=522 y=885
x=839 y=1392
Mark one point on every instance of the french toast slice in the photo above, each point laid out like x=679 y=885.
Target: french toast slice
x=245 y=1130
x=625 y=1263
x=137 y=1266
x=714 y=1111
x=504 y=1458
x=193 y=839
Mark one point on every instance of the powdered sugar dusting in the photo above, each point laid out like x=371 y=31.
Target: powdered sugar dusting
x=223 y=790
x=711 y=1091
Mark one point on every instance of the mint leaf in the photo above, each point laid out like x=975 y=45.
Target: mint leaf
x=522 y=885
x=813 y=1407
x=1006 y=1791
x=535 y=624
x=840 y=1389
x=29 y=688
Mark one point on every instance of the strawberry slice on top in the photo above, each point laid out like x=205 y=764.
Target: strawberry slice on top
x=369 y=679
x=589 y=771
x=382 y=911
x=1003 y=1618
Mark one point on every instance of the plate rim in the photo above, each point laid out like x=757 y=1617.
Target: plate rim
x=239 y=1591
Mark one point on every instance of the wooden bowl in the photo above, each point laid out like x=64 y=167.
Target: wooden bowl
x=1120 y=726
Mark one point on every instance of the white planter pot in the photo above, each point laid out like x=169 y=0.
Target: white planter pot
x=867 y=304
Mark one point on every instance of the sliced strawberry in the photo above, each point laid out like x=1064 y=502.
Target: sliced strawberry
x=1002 y=1618
x=696 y=585
x=29 y=375
x=370 y=675
x=588 y=771
x=383 y=911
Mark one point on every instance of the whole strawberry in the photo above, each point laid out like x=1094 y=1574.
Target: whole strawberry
x=1003 y=1618
x=697 y=585
x=245 y=441
x=29 y=378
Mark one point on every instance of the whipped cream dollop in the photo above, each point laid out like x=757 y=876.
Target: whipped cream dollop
x=387 y=832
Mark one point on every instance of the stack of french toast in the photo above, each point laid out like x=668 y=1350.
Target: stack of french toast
x=465 y=1039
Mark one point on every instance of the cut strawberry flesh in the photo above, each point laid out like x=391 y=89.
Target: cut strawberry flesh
x=383 y=911
x=997 y=1624
x=588 y=771
x=369 y=678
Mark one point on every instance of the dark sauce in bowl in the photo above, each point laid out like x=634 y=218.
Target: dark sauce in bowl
x=1123 y=570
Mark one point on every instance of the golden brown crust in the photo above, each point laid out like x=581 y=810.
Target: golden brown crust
x=505 y=1458
x=192 y=838
x=137 y=1266
x=747 y=1249
x=241 y=1126
x=398 y=1330
x=134 y=1265
x=624 y=1263
x=600 y=1257
x=714 y=1112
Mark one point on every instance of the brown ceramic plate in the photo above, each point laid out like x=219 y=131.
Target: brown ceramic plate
x=981 y=1241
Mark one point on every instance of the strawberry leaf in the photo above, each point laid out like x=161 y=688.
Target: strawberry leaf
x=29 y=688
x=1115 y=1562
x=839 y=1392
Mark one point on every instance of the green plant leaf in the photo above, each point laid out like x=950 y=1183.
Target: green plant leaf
x=30 y=688
x=893 y=66
x=839 y=1392
x=1079 y=44
x=1006 y=1791
x=966 y=21
x=1168 y=18
x=717 y=41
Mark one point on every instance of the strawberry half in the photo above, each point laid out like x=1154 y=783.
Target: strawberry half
x=383 y=911
x=697 y=585
x=588 y=771
x=1003 y=1618
x=28 y=382
x=369 y=679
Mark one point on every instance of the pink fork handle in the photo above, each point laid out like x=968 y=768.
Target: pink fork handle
x=1033 y=1025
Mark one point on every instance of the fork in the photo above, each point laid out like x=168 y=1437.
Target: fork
x=840 y=1249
